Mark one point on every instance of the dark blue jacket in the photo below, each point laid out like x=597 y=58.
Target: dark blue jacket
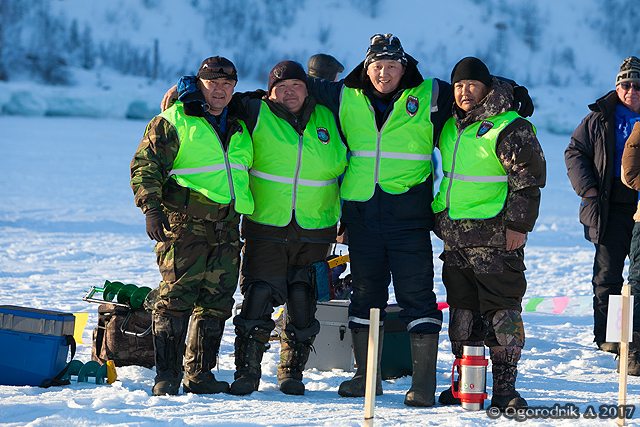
x=590 y=161
x=387 y=212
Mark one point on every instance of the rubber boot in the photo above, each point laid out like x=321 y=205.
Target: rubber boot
x=249 y=349
x=293 y=358
x=169 y=335
x=633 y=364
x=505 y=371
x=424 y=354
x=355 y=387
x=203 y=343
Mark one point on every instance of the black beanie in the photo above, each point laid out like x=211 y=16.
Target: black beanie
x=471 y=68
x=286 y=70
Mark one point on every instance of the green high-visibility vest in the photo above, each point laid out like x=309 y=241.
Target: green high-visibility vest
x=297 y=173
x=398 y=156
x=474 y=185
x=203 y=164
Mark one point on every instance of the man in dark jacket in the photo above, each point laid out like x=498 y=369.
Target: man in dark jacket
x=390 y=116
x=593 y=160
x=631 y=178
x=190 y=179
x=488 y=201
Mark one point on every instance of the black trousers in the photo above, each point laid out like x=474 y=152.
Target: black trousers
x=608 y=264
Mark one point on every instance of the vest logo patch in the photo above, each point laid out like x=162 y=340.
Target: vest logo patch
x=323 y=135
x=413 y=104
x=485 y=127
x=241 y=130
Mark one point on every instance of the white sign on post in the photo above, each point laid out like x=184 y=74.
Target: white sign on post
x=614 y=319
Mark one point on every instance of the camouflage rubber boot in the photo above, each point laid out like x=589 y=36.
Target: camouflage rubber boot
x=249 y=349
x=169 y=334
x=293 y=358
x=355 y=387
x=505 y=371
x=203 y=343
x=424 y=354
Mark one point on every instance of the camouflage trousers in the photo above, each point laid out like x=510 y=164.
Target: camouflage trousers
x=199 y=265
x=486 y=306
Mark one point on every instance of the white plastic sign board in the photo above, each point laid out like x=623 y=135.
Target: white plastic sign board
x=614 y=319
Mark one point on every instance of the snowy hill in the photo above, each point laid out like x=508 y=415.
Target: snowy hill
x=53 y=53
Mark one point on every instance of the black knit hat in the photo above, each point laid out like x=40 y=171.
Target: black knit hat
x=323 y=66
x=385 y=46
x=471 y=68
x=286 y=70
x=217 y=67
x=629 y=71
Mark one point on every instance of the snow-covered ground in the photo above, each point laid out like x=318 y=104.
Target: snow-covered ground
x=67 y=222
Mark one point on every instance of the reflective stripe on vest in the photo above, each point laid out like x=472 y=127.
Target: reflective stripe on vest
x=297 y=173
x=204 y=166
x=398 y=156
x=474 y=185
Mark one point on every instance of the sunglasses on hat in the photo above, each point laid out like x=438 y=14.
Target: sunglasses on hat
x=215 y=65
x=385 y=43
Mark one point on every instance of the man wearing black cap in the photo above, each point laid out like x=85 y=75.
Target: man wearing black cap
x=298 y=157
x=390 y=116
x=323 y=66
x=488 y=201
x=190 y=178
x=593 y=160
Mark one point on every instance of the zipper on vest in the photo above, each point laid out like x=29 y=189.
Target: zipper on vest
x=379 y=149
x=453 y=167
x=227 y=164
x=297 y=174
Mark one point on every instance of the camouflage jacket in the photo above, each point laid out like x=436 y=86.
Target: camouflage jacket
x=521 y=156
x=153 y=161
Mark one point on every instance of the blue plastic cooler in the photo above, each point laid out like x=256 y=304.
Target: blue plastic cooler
x=33 y=344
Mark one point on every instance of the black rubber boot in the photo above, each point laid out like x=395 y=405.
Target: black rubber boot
x=203 y=343
x=633 y=364
x=249 y=349
x=293 y=358
x=424 y=354
x=446 y=397
x=505 y=371
x=169 y=335
x=355 y=387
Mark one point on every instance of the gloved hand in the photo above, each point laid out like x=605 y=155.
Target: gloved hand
x=157 y=222
x=522 y=101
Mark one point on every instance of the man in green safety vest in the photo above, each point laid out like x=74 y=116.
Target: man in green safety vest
x=298 y=157
x=190 y=178
x=488 y=201
x=391 y=116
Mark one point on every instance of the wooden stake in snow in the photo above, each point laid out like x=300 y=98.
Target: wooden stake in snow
x=372 y=367
x=624 y=355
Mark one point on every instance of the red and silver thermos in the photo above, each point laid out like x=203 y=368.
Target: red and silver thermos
x=472 y=381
